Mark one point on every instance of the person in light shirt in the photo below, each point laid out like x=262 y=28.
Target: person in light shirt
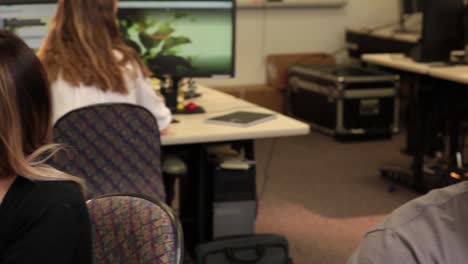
x=431 y=229
x=88 y=62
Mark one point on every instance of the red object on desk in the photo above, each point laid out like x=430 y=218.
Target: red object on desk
x=191 y=106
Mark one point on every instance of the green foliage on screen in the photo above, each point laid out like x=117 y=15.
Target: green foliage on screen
x=180 y=42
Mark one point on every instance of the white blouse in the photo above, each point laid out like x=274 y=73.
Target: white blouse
x=66 y=97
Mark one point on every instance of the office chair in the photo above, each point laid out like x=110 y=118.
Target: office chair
x=134 y=229
x=116 y=148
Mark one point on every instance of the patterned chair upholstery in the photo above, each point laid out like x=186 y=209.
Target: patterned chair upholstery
x=116 y=148
x=131 y=229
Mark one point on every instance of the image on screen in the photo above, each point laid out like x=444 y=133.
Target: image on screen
x=181 y=38
x=29 y=21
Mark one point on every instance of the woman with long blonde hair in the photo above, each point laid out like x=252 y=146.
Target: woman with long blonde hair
x=89 y=63
x=43 y=217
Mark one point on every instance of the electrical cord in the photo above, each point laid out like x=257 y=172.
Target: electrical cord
x=266 y=174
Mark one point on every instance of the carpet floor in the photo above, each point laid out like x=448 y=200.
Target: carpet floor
x=323 y=195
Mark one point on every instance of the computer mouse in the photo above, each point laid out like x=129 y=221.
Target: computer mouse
x=191 y=106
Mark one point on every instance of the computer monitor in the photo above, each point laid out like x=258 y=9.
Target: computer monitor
x=181 y=38
x=29 y=19
x=443 y=30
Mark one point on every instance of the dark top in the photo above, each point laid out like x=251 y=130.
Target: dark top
x=44 y=222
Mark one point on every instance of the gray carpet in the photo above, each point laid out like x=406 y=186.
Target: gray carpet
x=323 y=195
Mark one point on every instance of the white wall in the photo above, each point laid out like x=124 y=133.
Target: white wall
x=287 y=30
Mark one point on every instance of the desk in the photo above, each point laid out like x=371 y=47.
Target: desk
x=397 y=61
x=457 y=86
x=454 y=83
x=458 y=73
x=390 y=33
x=194 y=128
x=362 y=41
x=193 y=134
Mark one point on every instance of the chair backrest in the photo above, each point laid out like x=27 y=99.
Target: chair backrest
x=130 y=229
x=116 y=148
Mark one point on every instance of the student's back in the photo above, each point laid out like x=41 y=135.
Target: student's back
x=44 y=222
x=88 y=62
x=43 y=215
x=430 y=229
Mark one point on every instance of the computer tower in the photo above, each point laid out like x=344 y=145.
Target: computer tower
x=234 y=202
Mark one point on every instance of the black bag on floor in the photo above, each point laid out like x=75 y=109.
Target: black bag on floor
x=256 y=249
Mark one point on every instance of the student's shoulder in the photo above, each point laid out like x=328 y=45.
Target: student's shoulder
x=62 y=191
x=437 y=202
x=34 y=200
x=54 y=193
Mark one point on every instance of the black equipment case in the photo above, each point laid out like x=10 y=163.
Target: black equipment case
x=345 y=101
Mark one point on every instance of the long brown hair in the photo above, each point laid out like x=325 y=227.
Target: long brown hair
x=81 y=44
x=25 y=114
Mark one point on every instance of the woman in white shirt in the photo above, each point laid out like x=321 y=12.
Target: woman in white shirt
x=89 y=63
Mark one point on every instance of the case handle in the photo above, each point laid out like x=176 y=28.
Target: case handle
x=231 y=255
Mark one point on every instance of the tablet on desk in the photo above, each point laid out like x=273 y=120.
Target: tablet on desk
x=241 y=119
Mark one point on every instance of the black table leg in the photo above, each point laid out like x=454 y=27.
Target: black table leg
x=420 y=101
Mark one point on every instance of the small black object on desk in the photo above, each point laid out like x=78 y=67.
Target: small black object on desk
x=170 y=90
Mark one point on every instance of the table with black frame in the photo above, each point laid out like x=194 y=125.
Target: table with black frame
x=435 y=91
x=192 y=135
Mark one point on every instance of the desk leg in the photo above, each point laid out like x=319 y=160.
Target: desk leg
x=194 y=196
x=196 y=192
x=418 y=135
x=419 y=152
x=454 y=135
x=456 y=100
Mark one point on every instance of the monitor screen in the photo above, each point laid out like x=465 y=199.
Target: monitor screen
x=28 y=19
x=181 y=38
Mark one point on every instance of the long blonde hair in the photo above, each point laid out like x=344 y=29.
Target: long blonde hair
x=81 y=46
x=25 y=114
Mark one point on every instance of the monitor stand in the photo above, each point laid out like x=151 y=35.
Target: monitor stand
x=417 y=56
x=415 y=53
x=170 y=91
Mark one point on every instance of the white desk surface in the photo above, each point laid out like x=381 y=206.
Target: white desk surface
x=389 y=33
x=195 y=129
x=458 y=73
x=397 y=61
